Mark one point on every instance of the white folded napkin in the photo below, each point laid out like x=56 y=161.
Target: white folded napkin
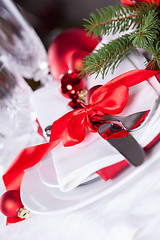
x=75 y=164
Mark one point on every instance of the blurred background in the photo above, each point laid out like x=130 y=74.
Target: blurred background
x=23 y=58
x=49 y=16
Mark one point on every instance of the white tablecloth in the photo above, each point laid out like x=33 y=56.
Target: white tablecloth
x=130 y=213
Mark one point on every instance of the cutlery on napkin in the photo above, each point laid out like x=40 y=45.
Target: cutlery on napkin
x=73 y=165
x=126 y=145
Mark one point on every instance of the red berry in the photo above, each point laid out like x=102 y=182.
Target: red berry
x=70 y=85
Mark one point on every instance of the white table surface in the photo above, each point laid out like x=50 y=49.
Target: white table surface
x=130 y=213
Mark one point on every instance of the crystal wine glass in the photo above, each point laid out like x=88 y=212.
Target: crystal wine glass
x=18 y=127
x=21 y=44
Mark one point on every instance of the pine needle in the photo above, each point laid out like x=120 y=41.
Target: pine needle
x=116 y=18
x=144 y=19
x=108 y=56
x=147 y=31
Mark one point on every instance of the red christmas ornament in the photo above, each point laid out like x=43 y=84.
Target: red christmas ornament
x=68 y=49
x=70 y=85
x=132 y=2
x=10 y=203
x=75 y=103
x=76 y=59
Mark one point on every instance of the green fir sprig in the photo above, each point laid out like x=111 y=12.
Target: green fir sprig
x=148 y=30
x=111 y=19
x=143 y=21
x=108 y=56
x=116 y=18
x=154 y=62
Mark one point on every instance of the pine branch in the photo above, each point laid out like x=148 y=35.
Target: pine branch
x=154 y=63
x=146 y=18
x=114 y=19
x=108 y=56
x=147 y=32
x=147 y=36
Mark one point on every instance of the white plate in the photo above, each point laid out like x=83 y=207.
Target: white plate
x=94 y=150
x=40 y=198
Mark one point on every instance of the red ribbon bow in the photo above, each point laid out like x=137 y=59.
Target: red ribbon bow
x=71 y=128
x=108 y=99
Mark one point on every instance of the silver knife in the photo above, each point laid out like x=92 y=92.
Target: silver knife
x=127 y=146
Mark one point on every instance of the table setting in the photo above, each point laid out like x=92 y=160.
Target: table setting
x=80 y=155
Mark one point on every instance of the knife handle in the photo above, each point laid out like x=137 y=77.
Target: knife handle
x=125 y=144
x=110 y=130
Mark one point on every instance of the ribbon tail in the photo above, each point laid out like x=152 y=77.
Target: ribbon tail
x=133 y=77
x=26 y=159
x=111 y=171
x=29 y=157
x=13 y=220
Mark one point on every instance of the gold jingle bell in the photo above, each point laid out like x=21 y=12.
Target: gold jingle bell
x=23 y=213
x=82 y=95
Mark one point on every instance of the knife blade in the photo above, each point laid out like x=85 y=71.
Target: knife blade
x=127 y=146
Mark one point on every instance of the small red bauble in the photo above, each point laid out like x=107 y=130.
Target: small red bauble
x=70 y=85
x=10 y=203
x=132 y=2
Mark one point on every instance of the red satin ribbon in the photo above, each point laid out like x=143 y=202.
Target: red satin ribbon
x=111 y=171
x=71 y=128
